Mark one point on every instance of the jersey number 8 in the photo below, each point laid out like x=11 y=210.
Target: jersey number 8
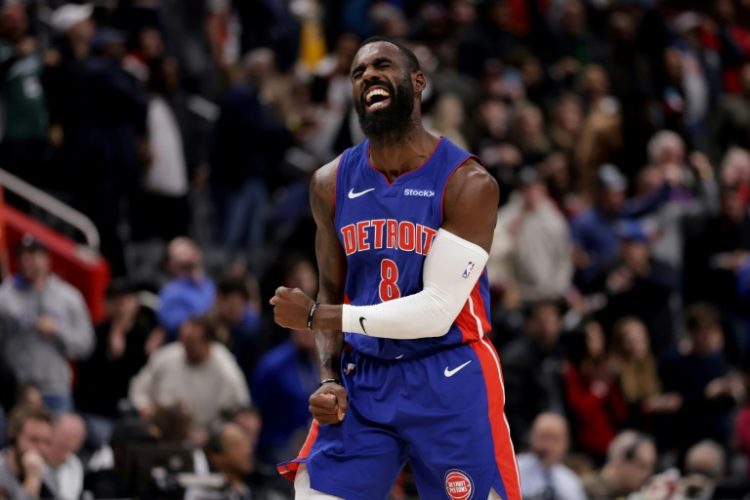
x=388 y=287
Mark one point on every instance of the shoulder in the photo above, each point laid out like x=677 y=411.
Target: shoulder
x=323 y=190
x=167 y=354
x=65 y=288
x=472 y=179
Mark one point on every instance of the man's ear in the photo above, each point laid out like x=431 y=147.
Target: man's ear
x=419 y=81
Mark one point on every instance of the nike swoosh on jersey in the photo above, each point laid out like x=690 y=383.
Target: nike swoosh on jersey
x=362 y=323
x=353 y=195
x=449 y=373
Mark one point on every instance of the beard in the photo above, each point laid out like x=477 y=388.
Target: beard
x=394 y=118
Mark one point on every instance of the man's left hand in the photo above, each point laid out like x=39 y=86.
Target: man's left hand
x=290 y=308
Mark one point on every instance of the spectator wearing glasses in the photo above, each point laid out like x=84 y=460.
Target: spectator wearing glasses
x=189 y=292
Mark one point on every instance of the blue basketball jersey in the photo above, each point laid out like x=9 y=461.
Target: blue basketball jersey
x=386 y=230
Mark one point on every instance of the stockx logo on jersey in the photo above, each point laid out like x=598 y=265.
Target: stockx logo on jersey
x=421 y=193
x=376 y=234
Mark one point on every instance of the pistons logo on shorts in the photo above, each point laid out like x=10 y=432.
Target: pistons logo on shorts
x=458 y=485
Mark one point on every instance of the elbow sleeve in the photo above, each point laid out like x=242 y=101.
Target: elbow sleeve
x=451 y=270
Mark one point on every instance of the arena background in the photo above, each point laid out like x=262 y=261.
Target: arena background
x=619 y=132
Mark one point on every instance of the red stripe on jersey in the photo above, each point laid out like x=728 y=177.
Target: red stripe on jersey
x=467 y=320
x=289 y=469
x=504 y=454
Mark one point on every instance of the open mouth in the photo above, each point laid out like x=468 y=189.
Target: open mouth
x=377 y=98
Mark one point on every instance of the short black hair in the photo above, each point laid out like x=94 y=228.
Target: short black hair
x=411 y=59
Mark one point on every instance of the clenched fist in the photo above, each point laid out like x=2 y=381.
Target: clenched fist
x=290 y=308
x=329 y=403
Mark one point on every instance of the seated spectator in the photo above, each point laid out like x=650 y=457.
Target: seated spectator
x=593 y=394
x=23 y=474
x=638 y=285
x=532 y=369
x=638 y=373
x=700 y=374
x=533 y=239
x=120 y=352
x=742 y=433
x=68 y=435
x=229 y=451
x=543 y=474
x=631 y=460
x=282 y=384
x=197 y=371
x=189 y=292
x=54 y=326
x=237 y=320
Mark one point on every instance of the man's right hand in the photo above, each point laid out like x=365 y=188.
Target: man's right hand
x=329 y=403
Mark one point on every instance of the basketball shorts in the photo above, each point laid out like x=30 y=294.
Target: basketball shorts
x=442 y=412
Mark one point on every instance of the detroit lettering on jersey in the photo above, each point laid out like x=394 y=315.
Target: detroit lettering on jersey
x=376 y=234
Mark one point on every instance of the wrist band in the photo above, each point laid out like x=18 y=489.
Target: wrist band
x=329 y=381
x=310 y=315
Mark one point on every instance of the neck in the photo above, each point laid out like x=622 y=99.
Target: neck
x=396 y=153
x=234 y=481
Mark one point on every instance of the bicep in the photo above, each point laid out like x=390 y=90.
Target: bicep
x=328 y=252
x=470 y=209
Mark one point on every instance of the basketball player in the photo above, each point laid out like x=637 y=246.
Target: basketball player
x=404 y=227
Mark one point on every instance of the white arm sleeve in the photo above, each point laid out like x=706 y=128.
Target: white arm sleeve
x=451 y=269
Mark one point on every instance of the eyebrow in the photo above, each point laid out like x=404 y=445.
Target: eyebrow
x=381 y=59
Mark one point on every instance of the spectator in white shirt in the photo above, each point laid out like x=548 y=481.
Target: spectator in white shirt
x=197 y=372
x=68 y=435
x=543 y=475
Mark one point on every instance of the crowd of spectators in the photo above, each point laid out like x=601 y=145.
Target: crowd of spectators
x=618 y=130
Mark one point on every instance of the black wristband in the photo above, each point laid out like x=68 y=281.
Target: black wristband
x=311 y=314
x=330 y=381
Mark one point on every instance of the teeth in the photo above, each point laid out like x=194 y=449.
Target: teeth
x=375 y=92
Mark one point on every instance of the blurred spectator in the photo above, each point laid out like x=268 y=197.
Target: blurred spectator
x=638 y=373
x=532 y=369
x=447 y=119
x=160 y=208
x=238 y=323
x=249 y=143
x=121 y=351
x=705 y=466
x=631 y=460
x=732 y=117
x=23 y=474
x=693 y=191
x=190 y=292
x=229 y=452
x=54 y=326
x=285 y=378
x=533 y=239
x=529 y=133
x=593 y=395
x=700 y=374
x=196 y=371
x=567 y=121
x=542 y=471
x=25 y=148
x=68 y=435
x=595 y=231
x=338 y=126
x=99 y=111
x=639 y=285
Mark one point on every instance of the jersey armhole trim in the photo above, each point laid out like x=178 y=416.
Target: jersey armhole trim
x=448 y=180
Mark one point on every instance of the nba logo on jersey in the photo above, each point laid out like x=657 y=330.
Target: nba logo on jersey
x=468 y=270
x=458 y=485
